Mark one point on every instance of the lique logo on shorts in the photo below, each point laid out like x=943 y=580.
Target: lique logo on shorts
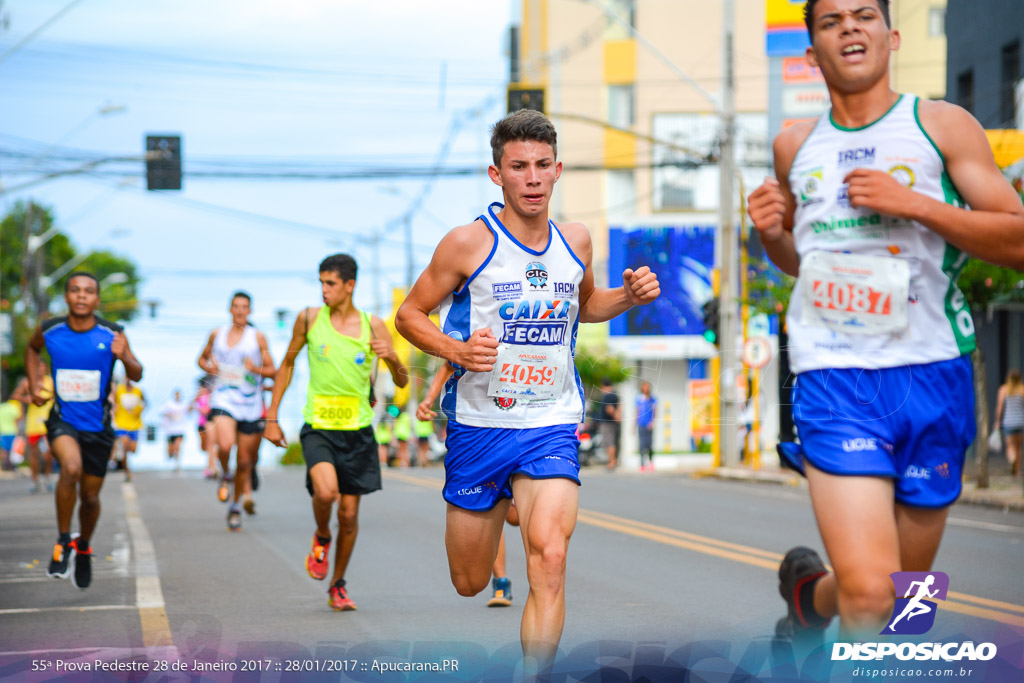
x=860 y=444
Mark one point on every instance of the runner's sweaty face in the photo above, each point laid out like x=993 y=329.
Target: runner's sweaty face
x=851 y=43
x=335 y=291
x=527 y=176
x=82 y=296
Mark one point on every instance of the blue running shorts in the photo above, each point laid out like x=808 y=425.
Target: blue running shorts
x=912 y=424
x=480 y=462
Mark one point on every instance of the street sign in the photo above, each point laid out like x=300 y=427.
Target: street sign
x=757 y=351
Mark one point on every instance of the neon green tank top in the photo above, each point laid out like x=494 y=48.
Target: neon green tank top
x=339 y=376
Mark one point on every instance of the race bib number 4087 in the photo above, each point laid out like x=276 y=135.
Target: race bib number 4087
x=854 y=293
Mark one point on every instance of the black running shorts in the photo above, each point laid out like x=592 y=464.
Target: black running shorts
x=95 y=446
x=353 y=454
x=244 y=426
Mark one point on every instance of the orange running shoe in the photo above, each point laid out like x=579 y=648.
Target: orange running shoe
x=338 y=597
x=316 y=561
x=222 y=491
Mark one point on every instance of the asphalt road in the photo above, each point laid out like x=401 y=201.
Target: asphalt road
x=660 y=564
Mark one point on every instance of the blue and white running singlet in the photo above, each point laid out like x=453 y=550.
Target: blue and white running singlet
x=82 y=365
x=530 y=301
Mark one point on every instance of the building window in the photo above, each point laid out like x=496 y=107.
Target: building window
x=937 y=22
x=620 y=197
x=625 y=10
x=965 y=90
x=621 y=109
x=1009 y=74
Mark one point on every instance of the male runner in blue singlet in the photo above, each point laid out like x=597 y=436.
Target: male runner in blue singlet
x=513 y=287
x=83 y=349
x=867 y=208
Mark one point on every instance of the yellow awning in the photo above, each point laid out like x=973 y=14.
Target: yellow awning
x=1007 y=146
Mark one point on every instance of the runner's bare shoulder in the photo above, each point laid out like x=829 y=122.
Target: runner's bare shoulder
x=465 y=248
x=788 y=143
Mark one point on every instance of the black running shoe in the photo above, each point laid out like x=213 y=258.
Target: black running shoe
x=60 y=562
x=255 y=477
x=799 y=566
x=83 y=568
x=234 y=518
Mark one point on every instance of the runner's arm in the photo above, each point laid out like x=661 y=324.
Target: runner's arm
x=772 y=206
x=382 y=342
x=35 y=345
x=123 y=352
x=22 y=393
x=436 y=384
x=266 y=368
x=455 y=260
x=993 y=228
x=598 y=304
x=205 y=361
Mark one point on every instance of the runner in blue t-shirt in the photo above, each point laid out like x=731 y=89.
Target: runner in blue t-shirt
x=645 y=407
x=83 y=349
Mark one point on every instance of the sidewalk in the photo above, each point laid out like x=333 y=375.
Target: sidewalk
x=1004 y=491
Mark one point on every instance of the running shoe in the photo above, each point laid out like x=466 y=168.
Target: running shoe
x=222 y=490
x=316 y=561
x=250 y=505
x=254 y=478
x=502 y=593
x=209 y=474
x=337 y=597
x=83 y=567
x=234 y=519
x=799 y=566
x=60 y=563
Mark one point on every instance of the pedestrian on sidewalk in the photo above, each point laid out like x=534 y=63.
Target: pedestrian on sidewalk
x=1010 y=418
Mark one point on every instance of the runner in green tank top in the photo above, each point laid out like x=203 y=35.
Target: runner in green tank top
x=337 y=438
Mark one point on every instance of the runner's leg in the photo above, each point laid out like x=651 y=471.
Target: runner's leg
x=325 y=493
x=69 y=455
x=471 y=539
x=89 y=507
x=245 y=456
x=348 y=529
x=857 y=522
x=920 y=531
x=547 y=517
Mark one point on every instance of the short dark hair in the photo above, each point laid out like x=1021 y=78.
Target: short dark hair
x=525 y=124
x=80 y=273
x=883 y=5
x=243 y=295
x=344 y=265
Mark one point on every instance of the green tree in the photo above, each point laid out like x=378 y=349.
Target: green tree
x=20 y=293
x=594 y=366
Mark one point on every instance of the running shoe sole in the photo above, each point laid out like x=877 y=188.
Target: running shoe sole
x=71 y=559
x=235 y=521
x=499 y=601
x=222 y=493
x=250 y=506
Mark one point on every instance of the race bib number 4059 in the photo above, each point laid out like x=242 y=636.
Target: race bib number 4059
x=854 y=293
x=78 y=385
x=528 y=372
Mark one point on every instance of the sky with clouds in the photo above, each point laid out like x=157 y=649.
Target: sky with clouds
x=336 y=83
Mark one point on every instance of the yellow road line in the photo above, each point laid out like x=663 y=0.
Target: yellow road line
x=747 y=554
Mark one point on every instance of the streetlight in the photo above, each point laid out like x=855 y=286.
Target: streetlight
x=113 y=279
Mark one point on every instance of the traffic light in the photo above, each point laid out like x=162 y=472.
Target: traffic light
x=520 y=97
x=711 y=321
x=163 y=162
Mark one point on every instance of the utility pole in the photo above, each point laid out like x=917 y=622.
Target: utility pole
x=727 y=257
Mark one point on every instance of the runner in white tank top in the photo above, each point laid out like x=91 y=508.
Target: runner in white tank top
x=867 y=209
x=514 y=286
x=238 y=357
